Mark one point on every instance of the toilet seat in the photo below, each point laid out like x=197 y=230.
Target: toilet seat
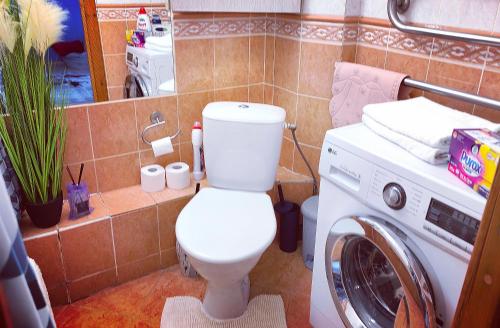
x=226 y=226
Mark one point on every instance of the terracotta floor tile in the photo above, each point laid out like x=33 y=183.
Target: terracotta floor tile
x=139 y=303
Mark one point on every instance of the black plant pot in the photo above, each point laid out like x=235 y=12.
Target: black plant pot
x=45 y=215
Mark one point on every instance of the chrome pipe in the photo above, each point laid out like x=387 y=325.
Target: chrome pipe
x=452 y=93
x=392 y=12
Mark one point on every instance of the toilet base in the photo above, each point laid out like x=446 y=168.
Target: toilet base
x=227 y=301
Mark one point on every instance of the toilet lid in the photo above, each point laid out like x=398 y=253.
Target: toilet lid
x=223 y=226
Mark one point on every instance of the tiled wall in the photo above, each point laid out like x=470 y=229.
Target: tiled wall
x=113 y=245
x=286 y=60
x=306 y=48
x=467 y=67
x=106 y=137
x=300 y=57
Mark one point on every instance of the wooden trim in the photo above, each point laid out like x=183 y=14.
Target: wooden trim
x=479 y=304
x=94 y=49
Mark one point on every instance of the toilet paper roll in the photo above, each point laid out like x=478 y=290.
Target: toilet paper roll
x=162 y=146
x=178 y=176
x=152 y=178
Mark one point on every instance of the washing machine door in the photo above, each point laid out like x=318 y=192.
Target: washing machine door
x=136 y=87
x=374 y=278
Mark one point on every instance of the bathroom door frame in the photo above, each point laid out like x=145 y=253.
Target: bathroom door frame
x=479 y=304
x=94 y=50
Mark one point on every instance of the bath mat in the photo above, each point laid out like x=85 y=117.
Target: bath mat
x=264 y=311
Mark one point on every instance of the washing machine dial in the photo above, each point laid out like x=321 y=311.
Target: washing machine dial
x=394 y=196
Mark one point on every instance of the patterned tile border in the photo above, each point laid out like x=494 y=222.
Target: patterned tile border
x=220 y=27
x=320 y=31
x=129 y=13
x=472 y=54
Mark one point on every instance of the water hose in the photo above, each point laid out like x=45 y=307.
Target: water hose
x=293 y=128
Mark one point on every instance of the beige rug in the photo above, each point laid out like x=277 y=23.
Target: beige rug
x=264 y=311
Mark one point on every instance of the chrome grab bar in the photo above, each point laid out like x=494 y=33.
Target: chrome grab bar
x=395 y=6
x=453 y=93
x=157 y=119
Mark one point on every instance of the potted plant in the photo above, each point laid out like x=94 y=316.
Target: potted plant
x=32 y=122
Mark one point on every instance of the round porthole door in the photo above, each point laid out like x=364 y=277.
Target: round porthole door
x=374 y=279
x=136 y=87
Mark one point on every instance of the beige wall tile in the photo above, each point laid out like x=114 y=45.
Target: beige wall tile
x=454 y=76
x=45 y=251
x=167 y=216
x=136 y=235
x=118 y=172
x=269 y=59
x=134 y=270
x=317 y=64
x=313 y=120
x=256 y=93
x=194 y=62
x=113 y=37
x=90 y=285
x=231 y=61
x=286 y=63
x=113 y=128
x=169 y=258
x=232 y=94
x=190 y=108
x=116 y=70
x=370 y=56
x=286 y=158
x=87 y=249
x=78 y=143
x=257 y=58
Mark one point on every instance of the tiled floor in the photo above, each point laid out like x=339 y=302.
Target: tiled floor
x=139 y=303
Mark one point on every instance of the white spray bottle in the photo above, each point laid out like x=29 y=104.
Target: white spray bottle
x=197 y=139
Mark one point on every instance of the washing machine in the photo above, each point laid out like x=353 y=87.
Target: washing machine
x=150 y=72
x=394 y=235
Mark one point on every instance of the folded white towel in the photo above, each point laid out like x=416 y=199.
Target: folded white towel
x=431 y=155
x=160 y=41
x=424 y=120
x=154 y=47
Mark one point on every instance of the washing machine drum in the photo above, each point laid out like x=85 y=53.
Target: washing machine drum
x=374 y=278
x=136 y=87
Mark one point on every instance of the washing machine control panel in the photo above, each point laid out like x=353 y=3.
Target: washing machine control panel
x=430 y=214
x=394 y=196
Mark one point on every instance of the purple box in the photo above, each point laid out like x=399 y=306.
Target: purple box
x=474 y=157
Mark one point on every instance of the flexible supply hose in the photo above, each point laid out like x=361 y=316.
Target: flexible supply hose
x=292 y=128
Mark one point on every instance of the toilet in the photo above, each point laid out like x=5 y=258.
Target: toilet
x=226 y=227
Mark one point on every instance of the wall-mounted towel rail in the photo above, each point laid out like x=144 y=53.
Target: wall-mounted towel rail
x=395 y=6
x=452 y=93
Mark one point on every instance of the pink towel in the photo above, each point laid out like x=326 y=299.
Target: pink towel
x=355 y=86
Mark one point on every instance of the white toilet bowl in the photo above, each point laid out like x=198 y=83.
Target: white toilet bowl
x=224 y=233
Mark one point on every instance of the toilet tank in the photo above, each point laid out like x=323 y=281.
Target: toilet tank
x=242 y=144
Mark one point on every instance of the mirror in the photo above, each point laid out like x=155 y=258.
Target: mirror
x=130 y=57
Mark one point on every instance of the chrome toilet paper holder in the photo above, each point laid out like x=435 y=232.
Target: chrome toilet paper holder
x=157 y=119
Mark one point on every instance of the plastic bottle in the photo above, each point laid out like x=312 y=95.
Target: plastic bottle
x=197 y=139
x=143 y=22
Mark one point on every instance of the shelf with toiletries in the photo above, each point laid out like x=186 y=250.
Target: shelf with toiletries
x=124 y=200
